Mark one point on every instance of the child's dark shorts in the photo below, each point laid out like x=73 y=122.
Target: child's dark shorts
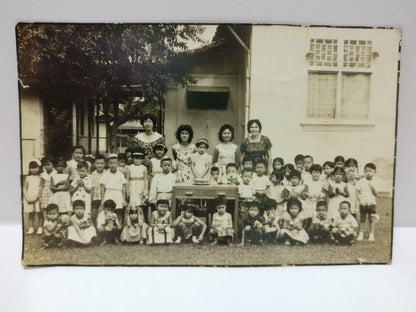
x=370 y=209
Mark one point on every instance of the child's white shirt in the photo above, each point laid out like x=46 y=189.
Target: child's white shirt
x=260 y=183
x=161 y=183
x=365 y=195
x=347 y=223
x=246 y=191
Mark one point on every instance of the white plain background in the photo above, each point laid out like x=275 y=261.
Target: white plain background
x=347 y=288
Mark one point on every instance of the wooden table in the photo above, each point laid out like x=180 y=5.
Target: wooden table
x=190 y=191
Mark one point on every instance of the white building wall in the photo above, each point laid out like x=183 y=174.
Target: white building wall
x=31 y=128
x=278 y=98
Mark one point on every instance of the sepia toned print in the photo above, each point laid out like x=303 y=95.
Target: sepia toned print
x=217 y=145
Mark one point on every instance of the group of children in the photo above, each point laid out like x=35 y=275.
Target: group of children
x=101 y=201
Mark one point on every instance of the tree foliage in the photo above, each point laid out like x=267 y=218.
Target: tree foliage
x=109 y=60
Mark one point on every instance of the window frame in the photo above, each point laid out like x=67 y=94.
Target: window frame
x=338 y=123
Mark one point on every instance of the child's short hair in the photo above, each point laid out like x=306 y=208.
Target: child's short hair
x=165 y=158
x=308 y=156
x=75 y=147
x=261 y=162
x=160 y=146
x=61 y=162
x=215 y=169
x=351 y=161
x=293 y=201
x=230 y=165
x=222 y=129
x=189 y=207
x=298 y=158
x=269 y=203
x=186 y=128
x=129 y=150
x=289 y=167
x=112 y=156
x=110 y=204
x=34 y=163
x=82 y=164
x=316 y=167
x=254 y=205
x=46 y=159
x=246 y=159
x=339 y=170
x=220 y=200
x=279 y=160
x=328 y=163
x=99 y=157
x=78 y=202
x=277 y=174
x=202 y=141
x=246 y=170
x=162 y=201
x=339 y=159
x=51 y=207
x=371 y=166
x=295 y=173
x=122 y=156
x=322 y=203
x=345 y=202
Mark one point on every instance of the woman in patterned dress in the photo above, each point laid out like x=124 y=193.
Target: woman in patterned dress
x=256 y=146
x=182 y=153
x=149 y=138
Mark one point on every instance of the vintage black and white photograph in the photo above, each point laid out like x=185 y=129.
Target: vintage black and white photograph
x=207 y=145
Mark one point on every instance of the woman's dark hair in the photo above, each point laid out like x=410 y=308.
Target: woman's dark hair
x=186 y=128
x=293 y=201
x=252 y=121
x=222 y=129
x=148 y=116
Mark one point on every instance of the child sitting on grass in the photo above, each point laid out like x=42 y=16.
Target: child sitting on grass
x=81 y=231
x=271 y=221
x=253 y=226
x=160 y=226
x=54 y=230
x=344 y=226
x=135 y=229
x=292 y=231
x=108 y=225
x=321 y=224
x=188 y=227
x=221 y=230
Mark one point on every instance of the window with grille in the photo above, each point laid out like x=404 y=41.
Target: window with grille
x=339 y=78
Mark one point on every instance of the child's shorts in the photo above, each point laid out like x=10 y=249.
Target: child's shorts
x=31 y=207
x=370 y=209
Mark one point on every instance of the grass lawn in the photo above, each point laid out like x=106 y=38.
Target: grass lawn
x=361 y=252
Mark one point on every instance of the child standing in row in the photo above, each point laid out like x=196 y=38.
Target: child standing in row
x=96 y=177
x=367 y=196
x=113 y=186
x=162 y=183
x=201 y=161
x=81 y=186
x=45 y=176
x=277 y=191
x=60 y=188
x=337 y=192
x=136 y=176
x=31 y=192
x=159 y=150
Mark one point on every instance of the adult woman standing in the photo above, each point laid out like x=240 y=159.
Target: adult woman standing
x=149 y=138
x=182 y=153
x=256 y=146
x=226 y=152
